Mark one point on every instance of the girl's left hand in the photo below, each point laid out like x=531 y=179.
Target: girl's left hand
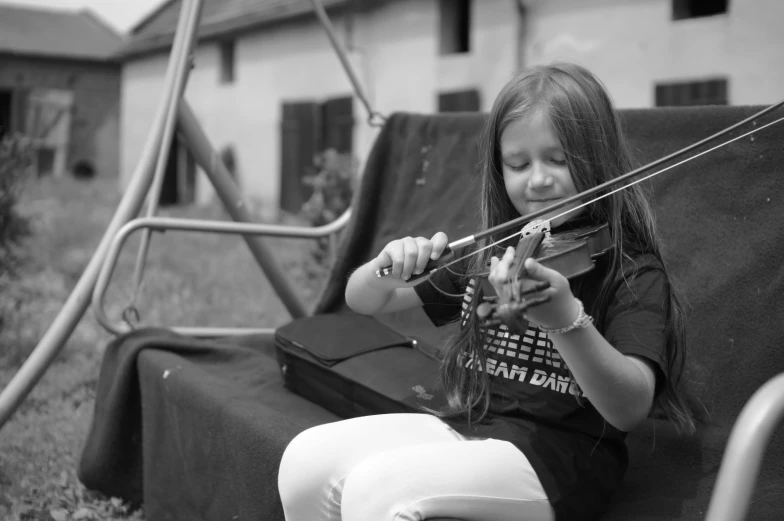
x=560 y=311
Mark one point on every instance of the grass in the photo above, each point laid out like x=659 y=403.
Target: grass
x=190 y=279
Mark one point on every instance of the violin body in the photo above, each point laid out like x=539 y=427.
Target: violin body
x=570 y=253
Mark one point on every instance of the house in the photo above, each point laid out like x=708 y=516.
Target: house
x=270 y=92
x=268 y=85
x=60 y=85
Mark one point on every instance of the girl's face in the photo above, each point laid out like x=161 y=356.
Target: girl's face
x=535 y=171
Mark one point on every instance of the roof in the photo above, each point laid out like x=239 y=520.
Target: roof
x=56 y=33
x=155 y=33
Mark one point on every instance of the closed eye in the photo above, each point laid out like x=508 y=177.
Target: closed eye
x=517 y=168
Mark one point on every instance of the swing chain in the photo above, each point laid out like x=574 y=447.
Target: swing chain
x=375 y=119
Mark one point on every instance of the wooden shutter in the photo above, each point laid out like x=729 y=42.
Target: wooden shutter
x=338 y=127
x=459 y=101
x=299 y=145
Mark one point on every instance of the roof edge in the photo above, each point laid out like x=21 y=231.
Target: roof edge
x=157 y=43
x=148 y=18
x=112 y=60
x=98 y=21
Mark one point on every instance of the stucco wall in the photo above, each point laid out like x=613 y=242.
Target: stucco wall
x=630 y=44
x=395 y=55
x=634 y=44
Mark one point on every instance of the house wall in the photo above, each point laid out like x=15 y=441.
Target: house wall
x=394 y=53
x=94 y=128
x=632 y=45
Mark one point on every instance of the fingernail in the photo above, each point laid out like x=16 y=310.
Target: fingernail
x=433 y=256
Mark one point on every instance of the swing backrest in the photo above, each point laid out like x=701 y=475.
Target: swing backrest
x=421 y=177
x=720 y=218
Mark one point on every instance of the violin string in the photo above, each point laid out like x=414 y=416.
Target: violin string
x=632 y=183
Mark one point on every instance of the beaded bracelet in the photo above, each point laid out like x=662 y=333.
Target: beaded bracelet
x=582 y=320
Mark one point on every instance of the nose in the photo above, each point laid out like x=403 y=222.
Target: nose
x=539 y=178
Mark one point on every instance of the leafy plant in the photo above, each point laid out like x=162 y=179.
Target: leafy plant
x=15 y=163
x=333 y=184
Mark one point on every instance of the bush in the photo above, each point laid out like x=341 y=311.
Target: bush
x=333 y=186
x=15 y=162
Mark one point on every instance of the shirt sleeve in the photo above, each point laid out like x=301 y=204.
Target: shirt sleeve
x=442 y=297
x=636 y=320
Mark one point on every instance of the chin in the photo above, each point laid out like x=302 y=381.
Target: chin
x=560 y=220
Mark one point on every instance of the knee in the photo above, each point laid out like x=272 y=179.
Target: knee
x=296 y=474
x=374 y=490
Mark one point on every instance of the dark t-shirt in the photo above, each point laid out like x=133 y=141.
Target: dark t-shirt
x=579 y=457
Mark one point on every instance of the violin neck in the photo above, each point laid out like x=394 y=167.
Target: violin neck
x=526 y=248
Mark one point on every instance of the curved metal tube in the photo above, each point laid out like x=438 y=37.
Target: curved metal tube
x=72 y=311
x=742 y=458
x=196 y=225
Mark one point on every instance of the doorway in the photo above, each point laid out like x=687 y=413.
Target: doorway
x=179 y=177
x=6 y=98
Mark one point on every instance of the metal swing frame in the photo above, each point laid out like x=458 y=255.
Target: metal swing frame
x=748 y=440
x=173 y=115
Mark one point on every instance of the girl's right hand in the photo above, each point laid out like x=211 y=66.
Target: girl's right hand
x=409 y=256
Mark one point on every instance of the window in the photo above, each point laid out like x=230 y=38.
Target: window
x=6 y=98
x=682 y=9
x=227 y=61
x=307 y=129
x=709 y=92
x=455 y=26
x=459 y=101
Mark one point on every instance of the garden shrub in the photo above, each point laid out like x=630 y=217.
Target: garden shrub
x=333 y=183
x=15 y=168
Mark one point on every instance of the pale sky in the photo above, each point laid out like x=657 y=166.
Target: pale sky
x=122 y=14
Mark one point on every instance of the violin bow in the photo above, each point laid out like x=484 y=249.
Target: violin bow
x=446 y=258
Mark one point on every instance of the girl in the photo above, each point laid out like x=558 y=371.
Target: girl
x=536 y=424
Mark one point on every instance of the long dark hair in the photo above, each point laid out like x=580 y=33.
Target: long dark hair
x=587 y=125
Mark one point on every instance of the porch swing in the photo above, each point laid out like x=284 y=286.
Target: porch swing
x=192 y=422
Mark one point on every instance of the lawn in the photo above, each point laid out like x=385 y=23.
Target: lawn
x=190 y=279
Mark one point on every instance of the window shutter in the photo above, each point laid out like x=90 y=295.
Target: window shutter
x=299 y=145
x=338 y=131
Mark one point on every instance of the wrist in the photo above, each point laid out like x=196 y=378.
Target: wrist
x=582 y=320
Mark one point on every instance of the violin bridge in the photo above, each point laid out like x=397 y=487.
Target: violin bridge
x=537 y=225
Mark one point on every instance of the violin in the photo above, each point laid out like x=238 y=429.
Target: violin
x=511 y=305
x=572 y=253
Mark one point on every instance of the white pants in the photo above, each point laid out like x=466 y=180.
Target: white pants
x=406 y=467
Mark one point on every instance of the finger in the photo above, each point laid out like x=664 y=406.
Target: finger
x=392 y=255
x=410 y=255
x=498 y=272
x=538 y=272
x=509 y=256
x=439 y=240
x=424 y=250
x=506 y=262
